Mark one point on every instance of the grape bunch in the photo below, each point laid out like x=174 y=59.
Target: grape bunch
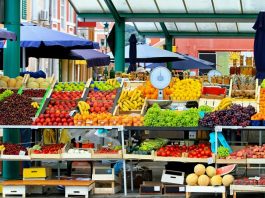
x=235 y=116
x=223 y=152
x=5 y=94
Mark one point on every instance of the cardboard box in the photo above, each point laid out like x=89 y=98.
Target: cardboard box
x=174 y=177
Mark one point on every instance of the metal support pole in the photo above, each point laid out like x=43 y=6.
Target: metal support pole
x=120 y=46
x=124 y=165
x=24 y=59
x=169 y=40
x=12 y=69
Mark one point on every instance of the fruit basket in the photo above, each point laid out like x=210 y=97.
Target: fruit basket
x=138 y=156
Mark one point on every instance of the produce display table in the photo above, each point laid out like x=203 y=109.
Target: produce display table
x=72 y=187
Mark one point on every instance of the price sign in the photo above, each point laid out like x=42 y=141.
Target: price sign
x=22 y=153
x=210 y=160
x=156 y=188
x=218 y=129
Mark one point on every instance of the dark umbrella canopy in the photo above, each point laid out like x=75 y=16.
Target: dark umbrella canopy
x=259 y=45
x=7 y=35
x=93 y=57
x=132 y=53
x=190 y=63
x=149 y=54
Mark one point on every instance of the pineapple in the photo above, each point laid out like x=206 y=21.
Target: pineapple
x=242 y=82
x=235 y=83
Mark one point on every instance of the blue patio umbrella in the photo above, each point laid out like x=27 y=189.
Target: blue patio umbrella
x=259 y=45
x=7 y=35
x=132 y=53
x=36 y=36
x=190 y=63
x=93 y=57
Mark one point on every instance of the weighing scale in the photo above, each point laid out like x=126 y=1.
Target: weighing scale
x=160 y=78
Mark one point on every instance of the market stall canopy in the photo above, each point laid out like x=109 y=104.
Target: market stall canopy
x=7 y=35
x=149 y=54
x=190 y=63
x=182 y=18
x=93 y=57
x=259 y=45
x=36 y=36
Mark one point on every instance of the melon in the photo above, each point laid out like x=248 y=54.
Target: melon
x=225 y=169
x=216 y=180
x=33 y=85
x=39 y=80
x=227 y=180
x=31 y=80
x=5 y=78
x=192 y=179
x=44 y=85
x=210 y=171
x=199 y=169
x=19 y=78
x=203 y=180
x=11 y=82
x=18 y=83
x=3 y=83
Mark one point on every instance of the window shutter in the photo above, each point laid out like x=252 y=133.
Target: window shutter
x=24 y=9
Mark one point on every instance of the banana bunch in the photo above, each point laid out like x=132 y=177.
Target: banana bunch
x=2 y=147
x=112 y=82
x=49 y=136
x=224 y=104
x=83 y=107
x=131 y=100
x=64 y=137
x=35 y=105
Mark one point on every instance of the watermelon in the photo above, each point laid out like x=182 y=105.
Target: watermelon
x=225 y=169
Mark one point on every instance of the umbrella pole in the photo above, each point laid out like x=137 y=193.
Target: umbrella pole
x=23 y=59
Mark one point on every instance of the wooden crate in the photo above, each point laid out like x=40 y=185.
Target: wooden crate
x=151 y=188
x=66 y=155
x=174 y=189
x=168 y=159
x=230 y=161
x=105 y=155
x=245 y=188
x=106 y=187
x=105 y=174
x=130 y=85
x=138 y=156
x=255 y=161
x=14 y=157
x=46 y=156
x=199 y=160
x=205 y=189
x=210 y=102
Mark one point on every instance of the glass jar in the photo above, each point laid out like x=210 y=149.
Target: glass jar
x=241 y=60
x=226 y=80
x=220 y=79
x=238 y=70
x=232 y=70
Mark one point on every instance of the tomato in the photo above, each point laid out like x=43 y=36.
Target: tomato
x=168 y=153
x=164 y=154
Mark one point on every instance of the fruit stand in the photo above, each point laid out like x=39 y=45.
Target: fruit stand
x=128 y=106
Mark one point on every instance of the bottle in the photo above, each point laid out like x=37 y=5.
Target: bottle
x=106 y=73
x=112 y=73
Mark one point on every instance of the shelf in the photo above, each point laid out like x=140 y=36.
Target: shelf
x=169 y=128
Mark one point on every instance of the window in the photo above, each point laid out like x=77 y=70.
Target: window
x=71 y=14
x=54 y=9
x=63 y=14
x=208 y=56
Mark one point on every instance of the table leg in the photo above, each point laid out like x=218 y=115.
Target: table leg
x=187 y=194
x=234 y=195
x=124 y=165
x=223 y=195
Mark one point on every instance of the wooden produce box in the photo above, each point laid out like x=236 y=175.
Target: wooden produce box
x=174 y=189
x=46 y=156
x=255 y=160
x=15 y=157
x=209 y=160
x=106 y=155
x=105 y=174
x=169 y=159
x=151 y=188
x=138 y=156
x=106 y=187
x=230 y=161
x=66 y=155
x=130 y=85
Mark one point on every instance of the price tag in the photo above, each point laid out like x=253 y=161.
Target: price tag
x=72 y=113
x=210 y=160
x=181 y=189
x=218 y=129
x=23 y=153
x=156 y=188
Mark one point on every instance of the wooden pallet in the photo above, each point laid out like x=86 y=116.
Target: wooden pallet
x=234 y=189
x=205 y=189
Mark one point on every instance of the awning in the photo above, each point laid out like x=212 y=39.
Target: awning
x=7 y=35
